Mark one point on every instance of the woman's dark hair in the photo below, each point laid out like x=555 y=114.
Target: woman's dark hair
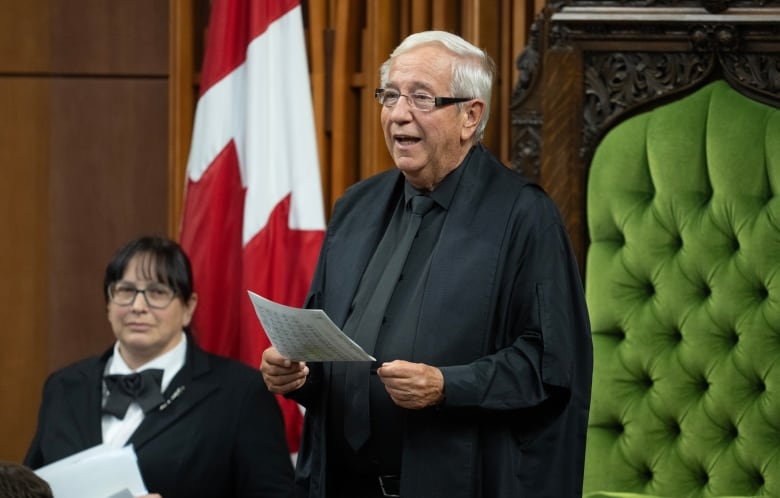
x=162 y=260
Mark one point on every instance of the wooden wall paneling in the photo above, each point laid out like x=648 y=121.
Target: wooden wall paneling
x=446 y=15
x=503 y=30
x=24 y=36
x=470 y=20
x=505 y=74
x=381 y=38
x=343 y=134
x=516 y=28
x=419 y=17
x=562 y=172
x=24 y=157
x=66 y=171
x=108 y=37
x=108 y=183
x=490 y=38
x=480 y=20
x=319 y=43
x=538 y=5
x=181 y=107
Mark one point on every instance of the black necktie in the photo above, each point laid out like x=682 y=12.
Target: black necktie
x=142 y=387
x=357 y=425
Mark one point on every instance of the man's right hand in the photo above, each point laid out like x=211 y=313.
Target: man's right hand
x=281 y=375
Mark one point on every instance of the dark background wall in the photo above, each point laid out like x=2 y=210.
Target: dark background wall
x=96 y=105
x=83 y=168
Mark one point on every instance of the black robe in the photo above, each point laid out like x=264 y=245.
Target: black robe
x=221 y=436
x=503 y=317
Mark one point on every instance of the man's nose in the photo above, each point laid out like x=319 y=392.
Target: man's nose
x=402 y=110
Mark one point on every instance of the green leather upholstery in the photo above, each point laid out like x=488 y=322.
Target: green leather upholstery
x=683 y=286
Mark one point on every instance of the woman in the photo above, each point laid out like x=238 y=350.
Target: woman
x=202 y=426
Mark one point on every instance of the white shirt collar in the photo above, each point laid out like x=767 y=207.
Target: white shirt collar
x=170 y=362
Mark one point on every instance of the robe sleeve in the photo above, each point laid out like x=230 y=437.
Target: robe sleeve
x=540 y=327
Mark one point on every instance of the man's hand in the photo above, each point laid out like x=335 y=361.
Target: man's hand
x=412 y=385
x=281 y=375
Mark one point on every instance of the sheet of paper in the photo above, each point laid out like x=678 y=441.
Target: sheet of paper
x=305 y=335
x=125 y=493
x=97 y=472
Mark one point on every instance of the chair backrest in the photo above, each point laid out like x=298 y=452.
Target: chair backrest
x=654 y=126
x=683 y=287
x=590 y=64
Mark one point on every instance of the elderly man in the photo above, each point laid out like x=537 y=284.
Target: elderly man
x=457 y=275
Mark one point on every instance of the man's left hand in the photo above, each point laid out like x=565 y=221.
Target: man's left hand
x=412 y=385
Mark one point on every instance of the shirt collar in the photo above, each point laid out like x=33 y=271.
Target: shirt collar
x=170 y=362
x=444 y=191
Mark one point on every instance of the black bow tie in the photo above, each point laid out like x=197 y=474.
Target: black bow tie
x=142 y=387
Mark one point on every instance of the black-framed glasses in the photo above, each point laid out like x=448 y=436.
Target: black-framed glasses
x=156 y=295
x=420 y=101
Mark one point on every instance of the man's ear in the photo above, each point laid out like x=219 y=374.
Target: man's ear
x=473 y=111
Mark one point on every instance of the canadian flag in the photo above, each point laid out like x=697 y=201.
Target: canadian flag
x=253 y=213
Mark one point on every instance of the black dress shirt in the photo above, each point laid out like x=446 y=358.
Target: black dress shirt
x=382 y=454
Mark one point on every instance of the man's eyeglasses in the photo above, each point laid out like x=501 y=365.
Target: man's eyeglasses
x=157 y=296
x=419 y=101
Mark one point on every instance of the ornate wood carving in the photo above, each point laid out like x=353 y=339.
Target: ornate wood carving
x=527 y=143
x=712 y=6
x=627 y=56
x=528 y=65
x=759 y=74
x=617 y=83
x=527 y=122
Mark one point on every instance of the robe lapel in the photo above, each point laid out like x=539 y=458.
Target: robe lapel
x=87 y=392
x=187 y=389
x=348 y=257
x=464 y=270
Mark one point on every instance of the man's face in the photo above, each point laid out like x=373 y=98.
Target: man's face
x=426 y=145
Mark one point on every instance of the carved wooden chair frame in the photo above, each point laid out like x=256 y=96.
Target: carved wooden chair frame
x=591 y=64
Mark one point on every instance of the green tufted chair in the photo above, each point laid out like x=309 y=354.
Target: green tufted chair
x=683 y=287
